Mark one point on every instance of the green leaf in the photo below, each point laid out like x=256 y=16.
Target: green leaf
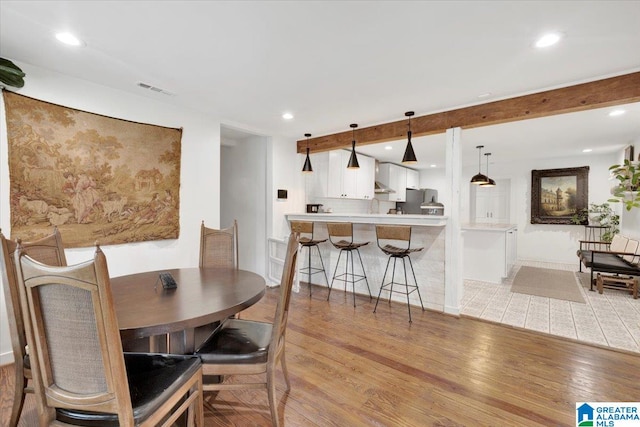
x=11 y=74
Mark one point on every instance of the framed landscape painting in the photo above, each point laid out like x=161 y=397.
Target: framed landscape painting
x=557 y=194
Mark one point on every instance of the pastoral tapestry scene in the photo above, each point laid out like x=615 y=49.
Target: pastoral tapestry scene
x=94 y=177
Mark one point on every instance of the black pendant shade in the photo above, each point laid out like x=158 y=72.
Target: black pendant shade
x=353 y=160
x=491 y=182
x=307 y=162
x=479 y=178
x=409 y=154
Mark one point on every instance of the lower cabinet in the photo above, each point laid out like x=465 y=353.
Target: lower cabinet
x=489 y=253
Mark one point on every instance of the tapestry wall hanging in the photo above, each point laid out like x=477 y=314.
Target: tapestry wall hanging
x=94 y=177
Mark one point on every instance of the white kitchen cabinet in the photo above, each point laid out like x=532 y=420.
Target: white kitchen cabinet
x=394 y=177
x=490 y=251
x=492 y=203
x=413 y=179
x=332 y=179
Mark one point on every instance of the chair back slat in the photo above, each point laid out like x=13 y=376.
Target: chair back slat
x=393 y=232
x=302 y=227
x=73 y=335
x=219 y=248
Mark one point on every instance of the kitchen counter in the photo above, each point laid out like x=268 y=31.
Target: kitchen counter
x=427 y=231
x=490 y=251
x=358 y=218
x=487 y=227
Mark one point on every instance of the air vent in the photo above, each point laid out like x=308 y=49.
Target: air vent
x=155 y=89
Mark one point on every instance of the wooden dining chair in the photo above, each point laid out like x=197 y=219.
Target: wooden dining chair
x=246 y=347
x=48 y=250
x=219 y=247
x=80 y=374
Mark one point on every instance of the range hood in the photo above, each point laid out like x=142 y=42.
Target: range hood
x=380 y=188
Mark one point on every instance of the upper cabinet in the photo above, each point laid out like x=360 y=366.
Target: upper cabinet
x=331 y=178
x=399 y=179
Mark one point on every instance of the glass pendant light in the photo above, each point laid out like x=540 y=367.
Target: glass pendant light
x=491 y=182
x=479 y=178
x=353 y=160
x=409 y=154
x=307 y=162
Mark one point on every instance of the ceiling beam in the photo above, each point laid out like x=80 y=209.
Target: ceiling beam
x=586 y=96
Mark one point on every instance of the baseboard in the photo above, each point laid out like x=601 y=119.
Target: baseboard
x=6 y=358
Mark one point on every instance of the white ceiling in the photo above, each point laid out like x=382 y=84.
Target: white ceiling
x=332 y=63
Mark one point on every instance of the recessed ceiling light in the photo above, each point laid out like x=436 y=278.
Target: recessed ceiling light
x=388 y=147
x=548 y=39
x=70 y=39
x=484 y=95
x=587 y=150
x=287 y=116
x=615 y=113
x=433 y=166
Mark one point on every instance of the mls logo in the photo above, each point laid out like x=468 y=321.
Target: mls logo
x=584 y=416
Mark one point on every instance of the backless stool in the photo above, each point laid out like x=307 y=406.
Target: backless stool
x=307 y=240
x=341 y=237
x=388 y=236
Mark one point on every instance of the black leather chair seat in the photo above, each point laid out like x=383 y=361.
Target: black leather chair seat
x=237 y=341
x=152 y=379
x=348 y=246
x=398 y=252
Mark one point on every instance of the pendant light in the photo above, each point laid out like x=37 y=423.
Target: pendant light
x=353 y=160
x=307 y=162
x=409 y=154
x=479 y=178
x=491 y=182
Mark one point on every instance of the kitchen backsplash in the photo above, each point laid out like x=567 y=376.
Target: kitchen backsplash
x=354 y=205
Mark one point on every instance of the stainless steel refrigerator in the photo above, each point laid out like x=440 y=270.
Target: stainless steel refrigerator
x=416 y=198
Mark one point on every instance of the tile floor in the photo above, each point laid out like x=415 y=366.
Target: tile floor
x=611 y=319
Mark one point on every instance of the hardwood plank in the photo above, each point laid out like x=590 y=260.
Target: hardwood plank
x=618 y=90
x=349 y=366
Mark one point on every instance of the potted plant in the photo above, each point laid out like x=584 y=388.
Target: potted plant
x=627 y=191
x=599 y=214
x=11 y=74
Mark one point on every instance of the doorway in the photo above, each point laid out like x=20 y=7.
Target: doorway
x=243 y=193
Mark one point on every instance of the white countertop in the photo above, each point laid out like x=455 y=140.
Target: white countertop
x=487 y=227
x=358 y=218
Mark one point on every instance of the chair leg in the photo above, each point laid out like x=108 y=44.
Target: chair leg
x=353 y=281
x=382 y=284
x=416 y=282
x=309 y=268
x=393 y=278
x=271 y=391
x=285 y=372
x=406 y=285
x=364 y=274
x=322 y=264
x=334 y=274
x=18 y=394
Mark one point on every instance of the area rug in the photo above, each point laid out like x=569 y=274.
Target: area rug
x=544 y=282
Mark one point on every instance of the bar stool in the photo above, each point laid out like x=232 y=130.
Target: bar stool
x=341 y=237
x=305 y=228
x=388 y=236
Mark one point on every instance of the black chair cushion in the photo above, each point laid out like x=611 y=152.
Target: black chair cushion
x=398 y=252
x=305 y=241
x=608 y=263
x=152 y=379
x=237 y=341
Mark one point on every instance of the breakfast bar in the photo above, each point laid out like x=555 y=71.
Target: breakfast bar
x=429 y=264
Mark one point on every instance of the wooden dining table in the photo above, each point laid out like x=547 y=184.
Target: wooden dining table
x=152 y=318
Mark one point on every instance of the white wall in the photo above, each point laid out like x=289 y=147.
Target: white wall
x=200 y=178
x=243 y=197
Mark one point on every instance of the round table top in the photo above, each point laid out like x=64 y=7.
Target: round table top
x=203 y=295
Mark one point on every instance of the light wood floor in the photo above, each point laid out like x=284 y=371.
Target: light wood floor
x=350 y=367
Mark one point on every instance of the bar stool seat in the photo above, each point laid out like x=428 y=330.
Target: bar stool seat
x=307 y=240
x=388 y=237
x=341 y=237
